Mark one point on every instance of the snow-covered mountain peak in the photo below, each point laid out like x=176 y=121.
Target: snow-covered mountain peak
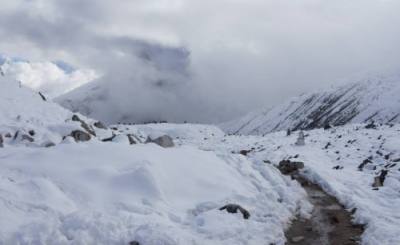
x=373 y=99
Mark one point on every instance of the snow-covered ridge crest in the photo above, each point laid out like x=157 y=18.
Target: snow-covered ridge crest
x=28 y=118
x=373 y=99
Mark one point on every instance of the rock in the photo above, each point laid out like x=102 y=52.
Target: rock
x=42 y=96
x=84 y=125
x=99 y=125
x=27 y=138
x=79 y=135
x=288 y=167
x=377 y=182
x=163 y=141
x=297 y=239
x=109 y=138
x=362 y=165
x=234 y=208
x=31 y=132
x=338 y=167
x=8 y=135
x=48 y=144
x=132 y=140
x=371 y=125
x=134 y=243
x=244 y=152
x=1 y=141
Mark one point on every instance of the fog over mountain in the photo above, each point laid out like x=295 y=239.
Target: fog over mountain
x=205 y=61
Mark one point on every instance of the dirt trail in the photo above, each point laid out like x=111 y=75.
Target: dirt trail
x=330 y=223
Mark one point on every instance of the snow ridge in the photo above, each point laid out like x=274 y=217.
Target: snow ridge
x=374 y=99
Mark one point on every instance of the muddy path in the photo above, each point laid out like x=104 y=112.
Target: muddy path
x=330 y=223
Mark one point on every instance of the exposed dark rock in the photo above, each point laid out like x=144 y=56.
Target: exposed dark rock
x=365 y=162
x=8 y=135
x=288 y=167
x=79 y=135
x=244 y=152
x=327 y=126
x=84 y=125
x=109 y=138
x=27 y=138
x=379 y=180
x=1 y=140
x=48 y=144
x=371 y=125
x=131 y=139
x=338 y=167
x=99 y=125
x=31 y=132
x=163 y=141
x=134 y=243
x=234 y=208
x=42 y=96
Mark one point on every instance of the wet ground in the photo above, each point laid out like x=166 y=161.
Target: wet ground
x=330 y=223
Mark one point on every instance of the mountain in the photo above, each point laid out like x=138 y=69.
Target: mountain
x=139 y=90
x=374 y=99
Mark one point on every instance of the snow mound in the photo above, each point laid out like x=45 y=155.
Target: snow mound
x=110 y=193
x=27 y=118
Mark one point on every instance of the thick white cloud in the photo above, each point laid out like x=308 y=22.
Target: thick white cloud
x=47 y=77
x=244 y=53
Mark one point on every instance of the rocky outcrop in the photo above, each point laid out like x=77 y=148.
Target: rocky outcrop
x=1 y=140
x=234 y=208
x=288 y=167
x=163 y=141
x=80 y=136
x=84 y=125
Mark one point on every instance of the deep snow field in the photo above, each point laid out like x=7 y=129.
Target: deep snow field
x=115 y=192
x=334 y=166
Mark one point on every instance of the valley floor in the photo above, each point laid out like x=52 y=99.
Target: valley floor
x=114 y=193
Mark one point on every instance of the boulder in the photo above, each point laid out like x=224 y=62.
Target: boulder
x=84 y=125
x=134 y=243
x=234 y=208
x=99 y=125
x=379 y=180
x=131 y=139
x=48 y=144
x=27 y=138
x=163 y=141
x=80 y=136
x=1 y=140
x=288 y=167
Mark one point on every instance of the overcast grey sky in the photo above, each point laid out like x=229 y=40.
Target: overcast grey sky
x=243 y=54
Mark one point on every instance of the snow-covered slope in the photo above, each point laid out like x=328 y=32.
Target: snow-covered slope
x=28 y=119
x=113 y=192
x=374 y=99
x=332 y=159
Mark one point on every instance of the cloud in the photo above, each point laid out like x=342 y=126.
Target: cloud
x=243 y=54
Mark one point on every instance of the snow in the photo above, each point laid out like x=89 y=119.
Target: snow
x=377 y=209
x=108 y=193
x=98 y=192
x=372 y=98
